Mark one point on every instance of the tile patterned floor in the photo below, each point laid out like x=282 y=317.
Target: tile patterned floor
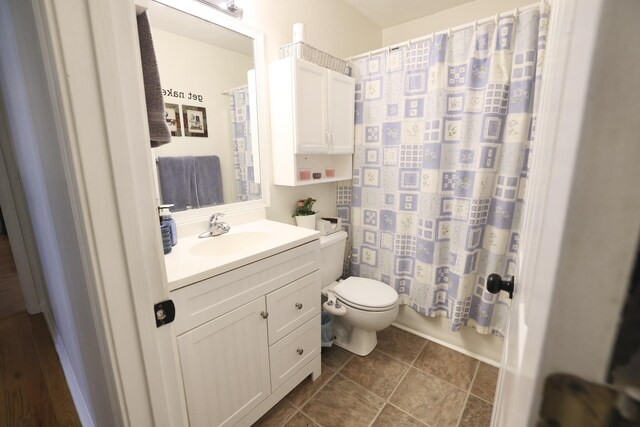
x=405 y=381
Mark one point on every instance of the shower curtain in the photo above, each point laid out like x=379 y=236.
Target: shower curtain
x=444 y=135
x=246 y=187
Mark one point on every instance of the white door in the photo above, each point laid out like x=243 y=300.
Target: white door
x=225 y=365
x=340 y=112
x=518 y=388
x=578 y=244
x=310 y=83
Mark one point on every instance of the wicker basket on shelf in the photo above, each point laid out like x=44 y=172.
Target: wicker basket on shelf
x=309 y=53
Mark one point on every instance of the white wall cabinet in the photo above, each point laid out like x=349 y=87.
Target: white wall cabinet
x=340 y=112
x=247 y=337
x=312 y=115
x=309 y=121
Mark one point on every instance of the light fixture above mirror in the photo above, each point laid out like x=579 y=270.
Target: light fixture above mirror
x=226 y=6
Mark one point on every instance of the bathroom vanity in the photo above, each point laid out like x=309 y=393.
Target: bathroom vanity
x=247 y=318
x=247 y=303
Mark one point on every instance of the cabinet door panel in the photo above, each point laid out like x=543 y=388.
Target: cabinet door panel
x=225 y=366
x=293 y=305
x=340 y=108
x=310 y=119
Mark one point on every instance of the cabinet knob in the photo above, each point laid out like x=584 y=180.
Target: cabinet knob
x=299 y=305
x=300 y=351
x=264 y=314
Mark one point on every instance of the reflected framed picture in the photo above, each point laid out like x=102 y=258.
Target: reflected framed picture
x=195 y=121
x=172 y=116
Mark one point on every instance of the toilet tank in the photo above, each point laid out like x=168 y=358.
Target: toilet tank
x=332 y=256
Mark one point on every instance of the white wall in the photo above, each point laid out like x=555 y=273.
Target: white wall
x=332 y=26
x=192 y=66
x=467 y=12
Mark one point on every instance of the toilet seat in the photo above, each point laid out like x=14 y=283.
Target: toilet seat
x=371 y=309
x=366 y=294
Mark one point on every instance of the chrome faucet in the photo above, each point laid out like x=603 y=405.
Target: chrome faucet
x=216 y=227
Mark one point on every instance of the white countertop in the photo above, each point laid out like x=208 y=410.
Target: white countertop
x=189 y=262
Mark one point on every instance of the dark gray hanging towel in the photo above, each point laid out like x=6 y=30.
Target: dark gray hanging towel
x=158 y=129
x=178 y=182
x=209 y=181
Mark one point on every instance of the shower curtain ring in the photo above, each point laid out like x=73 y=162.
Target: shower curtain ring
x=497 y=18
x=369 y=54
x=449 y=32
x=516 y=13
x=475 y=25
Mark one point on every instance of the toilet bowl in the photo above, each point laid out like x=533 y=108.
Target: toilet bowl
x=362 y=306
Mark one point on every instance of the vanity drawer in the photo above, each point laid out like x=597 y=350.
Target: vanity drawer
x=294 y=351
x=199 y=303
x=293 y=305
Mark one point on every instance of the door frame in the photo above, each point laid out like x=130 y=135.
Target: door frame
x=16 y=216
x=93 y=69
x=583 y=230
x=544 y=170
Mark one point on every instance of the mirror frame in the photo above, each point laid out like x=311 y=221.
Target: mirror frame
x=209 y=14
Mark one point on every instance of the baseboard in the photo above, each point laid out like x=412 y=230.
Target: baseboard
x=74 y=388
x=444 y=343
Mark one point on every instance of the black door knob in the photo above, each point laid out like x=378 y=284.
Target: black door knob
x=495 y=284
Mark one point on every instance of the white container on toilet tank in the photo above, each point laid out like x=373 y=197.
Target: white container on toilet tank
x=361 y=306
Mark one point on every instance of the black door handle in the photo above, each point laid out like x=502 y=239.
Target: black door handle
x=495 y=284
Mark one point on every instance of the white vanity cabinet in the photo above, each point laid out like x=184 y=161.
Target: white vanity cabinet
x=248 y=336
x=312 y=115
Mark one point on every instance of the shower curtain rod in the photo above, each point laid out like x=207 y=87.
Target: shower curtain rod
x=450 y=30
x=230 y=91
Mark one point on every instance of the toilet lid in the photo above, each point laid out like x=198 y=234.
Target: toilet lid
x=366 y=292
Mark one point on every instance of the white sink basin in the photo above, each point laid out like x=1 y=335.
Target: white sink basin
x=194 y=259
x=231 y=243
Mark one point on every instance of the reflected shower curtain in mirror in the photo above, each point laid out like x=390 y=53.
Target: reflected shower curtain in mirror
x=246 y=186
x=444 y=137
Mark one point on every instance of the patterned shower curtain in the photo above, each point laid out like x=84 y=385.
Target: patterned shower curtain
x=246 y=187
x=444 y=136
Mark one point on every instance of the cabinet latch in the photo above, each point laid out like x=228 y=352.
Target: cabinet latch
x=165 y=312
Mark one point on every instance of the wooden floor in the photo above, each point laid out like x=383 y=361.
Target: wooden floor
x=11 y=301
x=33 y=389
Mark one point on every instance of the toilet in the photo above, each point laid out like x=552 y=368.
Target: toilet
x=360 y=306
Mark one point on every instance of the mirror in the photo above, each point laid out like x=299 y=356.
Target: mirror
x=210 y=89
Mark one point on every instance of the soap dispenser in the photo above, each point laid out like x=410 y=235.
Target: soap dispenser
x=165 y=218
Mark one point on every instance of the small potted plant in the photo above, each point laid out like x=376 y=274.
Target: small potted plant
x=304 y=214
